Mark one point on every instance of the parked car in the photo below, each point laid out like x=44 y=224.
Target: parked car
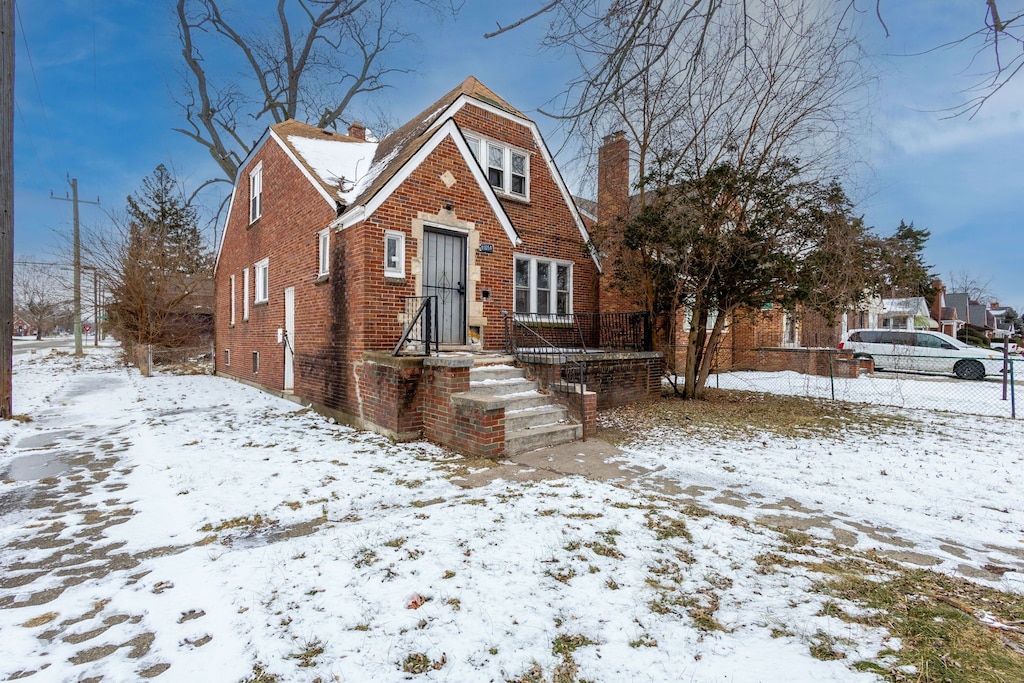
x=1011 y=347
x=922 y=351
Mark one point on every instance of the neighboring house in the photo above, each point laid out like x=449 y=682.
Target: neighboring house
x=974 y=315
x=332 y=240
x=943 y=312
x=906 y=313
x=747 y=330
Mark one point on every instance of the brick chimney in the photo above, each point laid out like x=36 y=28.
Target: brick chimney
x=357 y=130
x=613 y=178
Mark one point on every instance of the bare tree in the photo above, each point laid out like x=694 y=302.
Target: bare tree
x=317 y=60
x=156 y=269
x=42 y=294
x=725 y=118
x=603 y=34
x=976 y=287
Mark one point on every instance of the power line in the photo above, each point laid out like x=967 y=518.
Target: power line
x=32 y=69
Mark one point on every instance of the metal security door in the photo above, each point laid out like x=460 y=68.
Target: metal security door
x=444 y=276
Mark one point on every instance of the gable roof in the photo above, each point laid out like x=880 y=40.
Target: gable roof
x=350 y=173
x=413 y=156
x=335 y=163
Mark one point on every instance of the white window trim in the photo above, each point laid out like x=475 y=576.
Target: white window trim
x=323 y=252
x=261 y=281
x=256 y=193
x=552 y=292
x=227 y=358
x=231 y=279
x=399 y=271
x=245 y=294
x=479 y=145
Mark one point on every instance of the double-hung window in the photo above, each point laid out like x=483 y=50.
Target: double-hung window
x=256 y=193
x=262 y=270
x=324 y=252
x=507 y=168
x=543 y=286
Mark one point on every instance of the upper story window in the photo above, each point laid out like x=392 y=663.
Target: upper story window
x=262 y=270
x=507 y=168
x=543 y=286
x=256 y=193
x=324 y=251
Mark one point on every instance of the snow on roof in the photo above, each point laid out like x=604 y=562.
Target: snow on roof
x=340 y=164
x=905 y=306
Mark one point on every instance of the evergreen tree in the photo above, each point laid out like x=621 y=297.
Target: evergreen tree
x=161 y=220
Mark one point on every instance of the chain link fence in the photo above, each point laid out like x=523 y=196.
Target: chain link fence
x=910 y=381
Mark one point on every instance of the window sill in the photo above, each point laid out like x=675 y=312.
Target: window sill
x=322 y=278
x=253 y=223
x=394 y=279
x=263 y=302
x=518 y=199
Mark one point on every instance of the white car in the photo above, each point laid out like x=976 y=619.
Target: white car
x=922 y=351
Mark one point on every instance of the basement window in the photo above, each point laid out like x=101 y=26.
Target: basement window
x=255 y=362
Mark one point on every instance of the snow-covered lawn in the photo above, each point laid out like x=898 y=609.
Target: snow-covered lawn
x=199 y=530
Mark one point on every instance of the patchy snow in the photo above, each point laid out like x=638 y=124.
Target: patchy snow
x=905 y=390
x=367 y=555
x=339 y=163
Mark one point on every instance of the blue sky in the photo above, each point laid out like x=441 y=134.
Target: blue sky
x=95 y=81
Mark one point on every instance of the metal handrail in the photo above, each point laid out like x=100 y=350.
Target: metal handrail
x=425 y=309
x=512 y=348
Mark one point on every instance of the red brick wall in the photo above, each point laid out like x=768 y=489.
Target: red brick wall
x=545 y=223
x=293 y=213
x=469 y=429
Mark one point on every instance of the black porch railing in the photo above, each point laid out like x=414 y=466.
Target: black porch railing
x=420 y=331
x=548 y=361
x=578 y=332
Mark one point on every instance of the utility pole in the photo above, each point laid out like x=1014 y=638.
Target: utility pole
x=6 y=205
x=75 y=201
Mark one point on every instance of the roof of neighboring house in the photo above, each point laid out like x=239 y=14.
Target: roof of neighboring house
x=907 y=306
x=949 y=313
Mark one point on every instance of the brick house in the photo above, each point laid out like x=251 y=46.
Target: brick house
x=773 y=338
x=333 y=241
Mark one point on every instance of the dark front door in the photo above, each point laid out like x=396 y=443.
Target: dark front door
x=444 y=277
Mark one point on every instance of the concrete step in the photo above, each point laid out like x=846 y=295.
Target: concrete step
x=493 y=372
x=502 y=387
x=524 y=440
x=525 y=399
x=538 y=416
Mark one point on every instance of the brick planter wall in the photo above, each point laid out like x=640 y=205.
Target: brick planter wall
x=474 y=428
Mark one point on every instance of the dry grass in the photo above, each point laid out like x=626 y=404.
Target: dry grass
x=952 y=630
x=742 y=415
